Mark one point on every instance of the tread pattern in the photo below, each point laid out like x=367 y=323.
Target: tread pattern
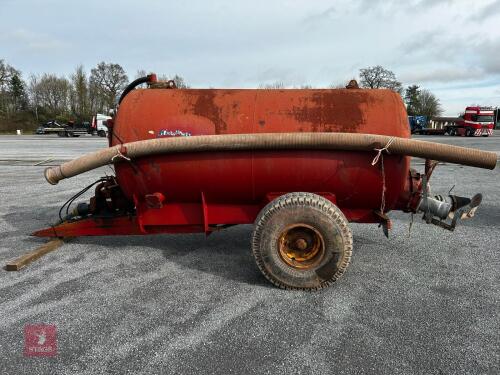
x=309 y=200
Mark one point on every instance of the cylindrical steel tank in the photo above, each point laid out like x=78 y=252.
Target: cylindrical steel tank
x=247 y=176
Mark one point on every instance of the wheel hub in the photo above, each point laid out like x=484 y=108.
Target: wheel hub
x=301 y=246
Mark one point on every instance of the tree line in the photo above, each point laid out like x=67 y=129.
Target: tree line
x=418 y=101
x=24 y=103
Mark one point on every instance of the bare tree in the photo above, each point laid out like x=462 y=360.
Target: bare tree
x=428 y=104
x=140 y=73
x=33 y=95
x=6 y=74
x=79 y=97
x=180 y=82
x=108 y=81
x=51 y=93
x=377 y=77
x=278 y=85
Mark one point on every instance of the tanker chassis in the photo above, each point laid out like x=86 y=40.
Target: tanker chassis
x=298 y=164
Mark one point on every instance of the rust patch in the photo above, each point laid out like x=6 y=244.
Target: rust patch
x=205 y=106
x=329 y=111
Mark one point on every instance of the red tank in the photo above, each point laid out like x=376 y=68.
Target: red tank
x=248 y=177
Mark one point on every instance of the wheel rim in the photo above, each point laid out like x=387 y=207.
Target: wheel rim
x=301 y=246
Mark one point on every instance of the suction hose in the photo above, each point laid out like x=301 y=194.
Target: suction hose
x=273 y=141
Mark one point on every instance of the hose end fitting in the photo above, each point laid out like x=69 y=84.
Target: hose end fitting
x=53 y=175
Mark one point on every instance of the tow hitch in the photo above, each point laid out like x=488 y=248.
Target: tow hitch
x=438 y=208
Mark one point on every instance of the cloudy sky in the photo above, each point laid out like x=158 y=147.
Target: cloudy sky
x=451 y=47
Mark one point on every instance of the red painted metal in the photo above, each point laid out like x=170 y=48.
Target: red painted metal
x=200 y=191
x=246 y=177
x=121 y=225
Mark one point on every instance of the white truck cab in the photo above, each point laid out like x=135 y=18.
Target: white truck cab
x=99 y=124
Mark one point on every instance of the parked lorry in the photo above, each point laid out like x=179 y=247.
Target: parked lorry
x=99 y=124
x=476 y=121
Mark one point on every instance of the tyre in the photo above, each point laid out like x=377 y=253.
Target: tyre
x=101 y=133
x=302 y=241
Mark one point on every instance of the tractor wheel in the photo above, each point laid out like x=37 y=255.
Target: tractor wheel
x=302 y=241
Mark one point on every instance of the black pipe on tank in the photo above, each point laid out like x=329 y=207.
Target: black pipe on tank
x=139 y=81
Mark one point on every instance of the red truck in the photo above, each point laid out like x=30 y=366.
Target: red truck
x=475 y=122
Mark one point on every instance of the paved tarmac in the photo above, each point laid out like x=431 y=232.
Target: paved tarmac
x=425 y=303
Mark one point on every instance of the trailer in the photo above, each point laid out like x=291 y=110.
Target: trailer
x=298 y=164
x=50 y=127
x=420 y=125
x=71 y=129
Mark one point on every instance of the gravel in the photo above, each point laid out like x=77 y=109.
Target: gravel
x=425 y=302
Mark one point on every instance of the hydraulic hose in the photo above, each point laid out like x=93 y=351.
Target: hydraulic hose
x=273 y=141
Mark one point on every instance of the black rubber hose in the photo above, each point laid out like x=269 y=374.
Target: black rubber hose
x=134 y=84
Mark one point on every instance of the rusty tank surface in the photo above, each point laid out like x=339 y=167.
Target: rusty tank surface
x=246 y=177
x=298 y=164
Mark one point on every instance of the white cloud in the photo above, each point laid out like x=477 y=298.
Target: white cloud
x=33 y=41
x=490 y=10
x=227 y=43
x=451 y=74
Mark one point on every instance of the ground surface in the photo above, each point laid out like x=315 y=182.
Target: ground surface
x=184 y=304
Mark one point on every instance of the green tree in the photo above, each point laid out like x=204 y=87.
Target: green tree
x=411 y=98
x=18 y=93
